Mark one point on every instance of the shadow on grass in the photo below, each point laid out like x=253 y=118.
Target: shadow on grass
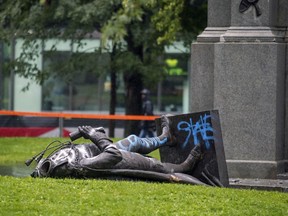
x=16 y=170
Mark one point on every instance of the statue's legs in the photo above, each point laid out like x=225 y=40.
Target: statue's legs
x=134 y=143
x=188 y=165
x=135 y=161
x=111 y=157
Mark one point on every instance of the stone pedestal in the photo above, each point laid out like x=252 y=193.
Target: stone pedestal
x=239 y=66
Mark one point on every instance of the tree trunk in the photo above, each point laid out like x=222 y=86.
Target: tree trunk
x=113 y=101
x=134 y=85
x=113 y=95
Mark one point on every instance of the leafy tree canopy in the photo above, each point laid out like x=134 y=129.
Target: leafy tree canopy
x=134 y=31
x=142 y=24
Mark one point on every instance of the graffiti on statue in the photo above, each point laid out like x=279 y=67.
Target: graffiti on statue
x=195 y=129
x=191 y=130
x=246 y=4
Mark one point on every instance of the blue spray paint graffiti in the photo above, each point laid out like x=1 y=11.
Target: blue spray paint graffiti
x=133 y=143
x=201 y=127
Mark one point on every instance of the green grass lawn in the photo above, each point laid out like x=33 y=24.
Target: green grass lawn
x=29 y=196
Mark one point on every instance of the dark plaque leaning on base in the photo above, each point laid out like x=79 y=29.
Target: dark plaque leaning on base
x=191 y=129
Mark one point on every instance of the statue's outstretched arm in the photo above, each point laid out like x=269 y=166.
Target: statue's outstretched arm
x=109 y=155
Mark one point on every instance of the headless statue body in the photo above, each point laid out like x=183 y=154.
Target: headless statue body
x=129 y=153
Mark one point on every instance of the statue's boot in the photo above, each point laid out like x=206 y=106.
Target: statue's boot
x=188 y=165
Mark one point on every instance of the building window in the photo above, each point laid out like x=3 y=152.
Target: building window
x=85 y=89
x=84 y=85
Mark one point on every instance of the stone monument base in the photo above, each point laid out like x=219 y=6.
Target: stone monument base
x=255 y=169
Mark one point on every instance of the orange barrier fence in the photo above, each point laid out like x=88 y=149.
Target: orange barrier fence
x=78 y=115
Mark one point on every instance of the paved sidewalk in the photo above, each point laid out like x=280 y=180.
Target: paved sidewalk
x=280 y=185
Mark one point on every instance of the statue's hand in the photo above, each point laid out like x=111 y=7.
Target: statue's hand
x=87 y=131
x=100 y=129
x=95 y=135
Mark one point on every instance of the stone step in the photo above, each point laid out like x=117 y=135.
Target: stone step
x=283 y=176
x=280 y=185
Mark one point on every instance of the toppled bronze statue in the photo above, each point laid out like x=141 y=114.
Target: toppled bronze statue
x=126 y=159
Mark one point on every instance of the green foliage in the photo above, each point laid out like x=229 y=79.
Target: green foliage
x=148 y=24
x=115 y=28
x=167 y=19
